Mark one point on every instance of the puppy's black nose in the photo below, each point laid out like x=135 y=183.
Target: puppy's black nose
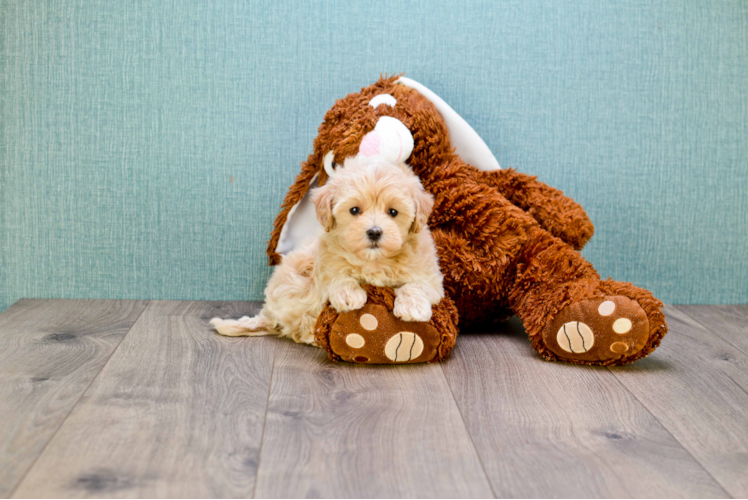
x=374 y=233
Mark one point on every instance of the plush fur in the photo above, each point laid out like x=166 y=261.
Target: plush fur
x=507 y=243
x=444 y=320
x=374 y=217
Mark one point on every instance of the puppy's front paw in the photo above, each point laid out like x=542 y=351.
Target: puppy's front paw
x=347 y=298
x=412 y=307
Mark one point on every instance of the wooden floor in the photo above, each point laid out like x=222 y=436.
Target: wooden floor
x=115 y=398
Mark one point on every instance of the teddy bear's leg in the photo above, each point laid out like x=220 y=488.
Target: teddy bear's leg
x=571 y=315
x=555 y=212
x=493 y=254
x=568 y=312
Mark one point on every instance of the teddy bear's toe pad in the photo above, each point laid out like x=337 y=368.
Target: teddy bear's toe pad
x=599 y=329
x=403 y=346
x=374 y=335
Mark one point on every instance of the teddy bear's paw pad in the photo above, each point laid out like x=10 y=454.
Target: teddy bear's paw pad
x=374 y=335
x=403 y=346
x=599 y=330
x=575 y=337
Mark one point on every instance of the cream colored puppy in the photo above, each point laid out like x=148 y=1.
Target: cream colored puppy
x=374 y=217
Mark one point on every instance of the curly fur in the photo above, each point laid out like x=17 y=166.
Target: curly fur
x=507 y=243
x=333 y=266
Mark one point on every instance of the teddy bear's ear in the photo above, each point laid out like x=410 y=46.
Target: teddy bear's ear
x=301 y=222
x=464 y=139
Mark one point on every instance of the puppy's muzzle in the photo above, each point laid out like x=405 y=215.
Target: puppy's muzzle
x=374 y=234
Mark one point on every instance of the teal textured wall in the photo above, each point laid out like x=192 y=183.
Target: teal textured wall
x=146 y=146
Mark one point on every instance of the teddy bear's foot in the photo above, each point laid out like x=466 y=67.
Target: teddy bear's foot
x=599 y=331
x=374 y=335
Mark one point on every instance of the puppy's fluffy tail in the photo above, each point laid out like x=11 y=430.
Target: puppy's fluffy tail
x=244 y=326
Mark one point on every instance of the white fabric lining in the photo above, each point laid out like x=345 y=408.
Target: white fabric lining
x=464 y=138
x=301 y=223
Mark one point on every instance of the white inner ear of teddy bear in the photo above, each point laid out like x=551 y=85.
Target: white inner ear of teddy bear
x=301 y=223
x=464 y=138
x=327 y=163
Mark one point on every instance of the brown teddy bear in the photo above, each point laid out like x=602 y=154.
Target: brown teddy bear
x=507 y=243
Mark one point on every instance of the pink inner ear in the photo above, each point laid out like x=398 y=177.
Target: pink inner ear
x=370 y=144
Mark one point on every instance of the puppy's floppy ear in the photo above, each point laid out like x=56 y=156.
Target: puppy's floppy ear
x=322 y=197
x=424 y=204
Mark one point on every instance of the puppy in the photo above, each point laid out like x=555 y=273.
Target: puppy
x=374 y=217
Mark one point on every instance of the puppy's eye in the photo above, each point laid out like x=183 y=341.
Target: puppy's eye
x=355 y=211
x=392 y=212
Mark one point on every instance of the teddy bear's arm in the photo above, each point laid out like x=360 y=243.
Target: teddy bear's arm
x=554 y=211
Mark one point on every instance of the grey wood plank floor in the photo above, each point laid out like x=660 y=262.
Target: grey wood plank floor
x=346 y=430
x=50 y=352
x=177 y=412
x=555 y=430
x=146 y=401
x=697 y=387
x=730 y=323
